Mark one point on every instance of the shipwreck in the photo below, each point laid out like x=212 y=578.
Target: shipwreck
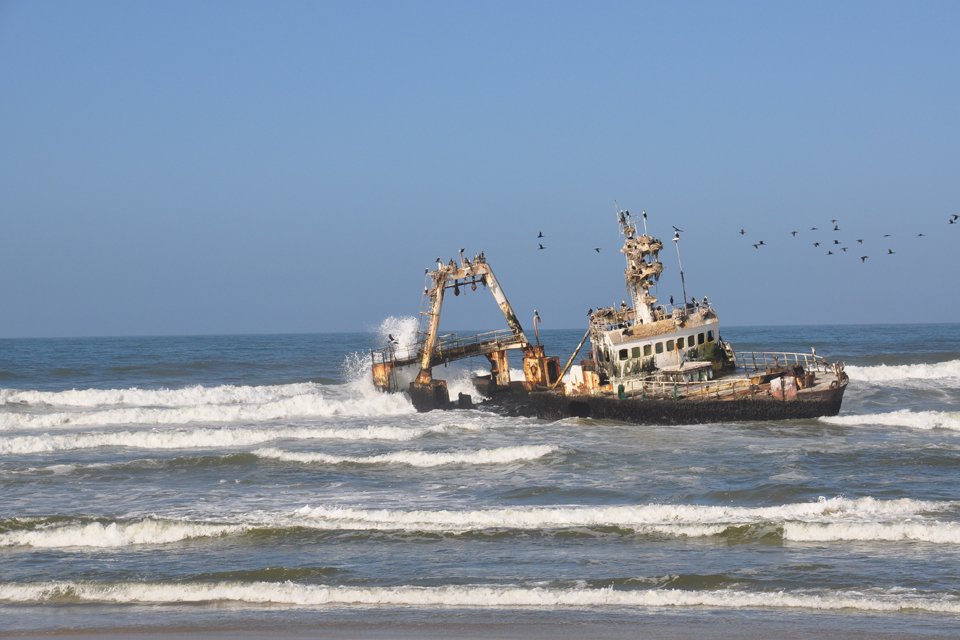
x=648 y=363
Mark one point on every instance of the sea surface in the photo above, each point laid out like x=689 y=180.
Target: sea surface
x=260 y=481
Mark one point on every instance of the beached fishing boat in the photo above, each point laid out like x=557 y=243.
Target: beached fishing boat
x=649 y=363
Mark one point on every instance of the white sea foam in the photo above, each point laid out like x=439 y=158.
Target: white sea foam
x=500 y=455
x=903 y=418
x=829 y=520
x=115 y=534
x=471 y=596
x=402 y=328
x=202 y=438
x=940 y=371
x=137 y=397
x=660 y=518
x=936 y=532
x=223 y=404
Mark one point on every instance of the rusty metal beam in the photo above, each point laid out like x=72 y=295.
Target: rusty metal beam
x=453 y=276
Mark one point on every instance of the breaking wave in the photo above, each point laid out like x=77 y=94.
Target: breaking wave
x=939 y=371
x=837 y=519
x=202 y=438
x=137 y=397
x=471 y=596
x=935 y=532
x=114 y=534
x=500 y=455
x=184 y=406
x=653 y=518
x=902 y=418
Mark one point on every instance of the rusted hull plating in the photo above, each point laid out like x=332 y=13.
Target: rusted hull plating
x=556 y=406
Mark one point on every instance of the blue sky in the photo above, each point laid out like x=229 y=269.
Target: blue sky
x=254 y=167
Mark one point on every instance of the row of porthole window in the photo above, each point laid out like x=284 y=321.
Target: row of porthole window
x=669 y=345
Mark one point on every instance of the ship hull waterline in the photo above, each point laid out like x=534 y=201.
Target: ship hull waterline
x=554 y=406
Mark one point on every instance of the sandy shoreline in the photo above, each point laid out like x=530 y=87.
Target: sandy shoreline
x=731 y=628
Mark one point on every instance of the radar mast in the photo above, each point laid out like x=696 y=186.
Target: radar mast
x=643 y=264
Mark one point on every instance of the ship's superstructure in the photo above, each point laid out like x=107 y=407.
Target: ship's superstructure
x=650 y=337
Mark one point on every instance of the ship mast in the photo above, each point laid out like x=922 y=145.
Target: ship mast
x=643 y=265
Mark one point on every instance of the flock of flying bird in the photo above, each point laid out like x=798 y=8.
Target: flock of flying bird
x=839 y=245
x=836 y=244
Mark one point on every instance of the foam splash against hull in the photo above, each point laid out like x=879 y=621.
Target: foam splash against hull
x=469 y=596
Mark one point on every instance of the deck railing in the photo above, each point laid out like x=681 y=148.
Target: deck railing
x=706 y=390
x=760 y=360
x=659 y=386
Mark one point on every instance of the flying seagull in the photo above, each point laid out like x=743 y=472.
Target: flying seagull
x=541 y=246
x=863 y=258
x=813 y=228
x=889 y=252
x=816 y=244
x=829 y=253
x=793 y=233
x=597 y=249
x=743 y=232
x=860 y=240
x=677 y=230
x=954 y=217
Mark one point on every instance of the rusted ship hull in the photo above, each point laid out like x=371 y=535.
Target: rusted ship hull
x=555 y=406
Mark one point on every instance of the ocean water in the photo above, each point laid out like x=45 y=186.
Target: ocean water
x=261 y=480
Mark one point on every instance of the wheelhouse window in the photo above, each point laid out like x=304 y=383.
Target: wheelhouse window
x=623 y=354
x=635 y=352
x=659 y=347
x=679 y=343
x=709 y=336
x=669 y=345
x=699 y=338
x=647 y=350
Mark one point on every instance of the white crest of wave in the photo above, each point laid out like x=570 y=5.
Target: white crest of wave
x=137 y=397
x=115 y=534
x=902 y=372
x=220 y=404
x=499 y=455
x=470 y=596
x=681 y=519
x=936 y=532
x=202 y=438
x=902 y=418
